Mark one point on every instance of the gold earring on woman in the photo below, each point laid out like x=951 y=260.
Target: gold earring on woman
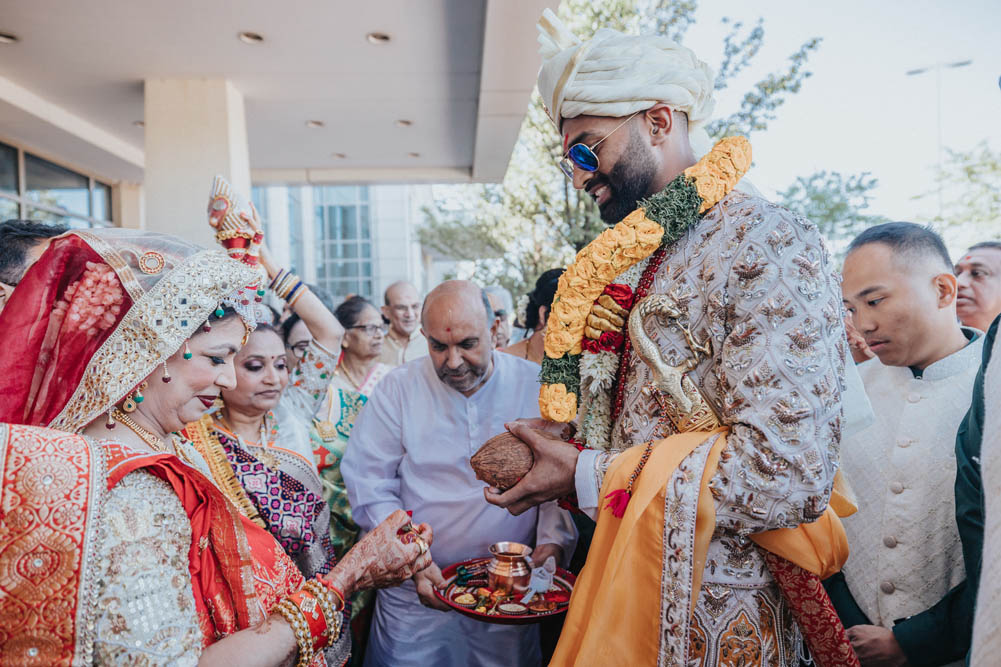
x=133 y=400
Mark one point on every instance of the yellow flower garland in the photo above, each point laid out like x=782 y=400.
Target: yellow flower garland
x=614 y=251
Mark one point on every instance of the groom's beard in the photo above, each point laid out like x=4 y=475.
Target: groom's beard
x=629 y=181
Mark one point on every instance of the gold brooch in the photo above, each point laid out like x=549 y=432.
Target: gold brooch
x=151 y=262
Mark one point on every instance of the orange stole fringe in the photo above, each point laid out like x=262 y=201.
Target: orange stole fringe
x=614 y=615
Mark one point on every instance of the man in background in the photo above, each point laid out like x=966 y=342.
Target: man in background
x=404 y=341
x=905 y=598
x=500 y=301
x=979 y=275
x=22 y=242
x=410 y=449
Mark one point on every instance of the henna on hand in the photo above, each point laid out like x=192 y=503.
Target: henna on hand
x=381 y=559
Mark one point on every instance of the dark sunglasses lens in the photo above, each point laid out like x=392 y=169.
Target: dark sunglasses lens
x=584 y=157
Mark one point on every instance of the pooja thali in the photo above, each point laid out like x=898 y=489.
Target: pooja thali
x=474 y=599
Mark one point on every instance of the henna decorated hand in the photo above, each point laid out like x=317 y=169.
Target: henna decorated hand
x=381 y=559
x=856 y=343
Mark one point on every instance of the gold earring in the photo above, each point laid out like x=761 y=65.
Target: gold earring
x=133 y=400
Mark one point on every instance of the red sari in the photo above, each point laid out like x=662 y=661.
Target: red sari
x=51 y=487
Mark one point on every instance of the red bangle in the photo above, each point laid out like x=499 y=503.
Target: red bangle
x=333 y=589
x=578 y=444
x=313 y=613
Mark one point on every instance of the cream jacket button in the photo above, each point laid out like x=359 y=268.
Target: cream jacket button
x=903 y=442
x=914 y=397
x=887 y=587
x=896 y=487
x=889 y=541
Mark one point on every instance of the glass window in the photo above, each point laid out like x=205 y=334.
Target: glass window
x=102 y=201
x=363 y=221
x=54 y=218
x=295 y=228
x=8 y=169
x=9 y=209
x=56 y=186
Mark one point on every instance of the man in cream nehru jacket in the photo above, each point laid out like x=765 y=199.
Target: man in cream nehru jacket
x=722 y=421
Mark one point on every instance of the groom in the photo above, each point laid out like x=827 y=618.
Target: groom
x=749 y=301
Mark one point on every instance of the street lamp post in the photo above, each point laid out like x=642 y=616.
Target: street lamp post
x=937 y=68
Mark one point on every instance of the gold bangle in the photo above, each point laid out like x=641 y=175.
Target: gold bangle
x=294 y=616
x=291 y=304
x=333 y=615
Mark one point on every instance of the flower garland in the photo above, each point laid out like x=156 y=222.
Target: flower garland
x=585 y=333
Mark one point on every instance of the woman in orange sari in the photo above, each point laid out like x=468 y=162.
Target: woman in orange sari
x=124 y=337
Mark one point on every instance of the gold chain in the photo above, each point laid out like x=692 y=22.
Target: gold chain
x=147 y=436
x=341 y=368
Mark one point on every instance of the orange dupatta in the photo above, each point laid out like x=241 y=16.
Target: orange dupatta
x=238 y=571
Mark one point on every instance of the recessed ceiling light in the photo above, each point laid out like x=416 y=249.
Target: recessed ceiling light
x=414 y=154
x=404 y=123
x=339 y=156
x=313 y=124
x=7 y=38
x=250 y=37
x=378 y=38
x=139 y=123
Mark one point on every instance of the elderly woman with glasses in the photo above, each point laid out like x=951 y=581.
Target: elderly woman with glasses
x=354 y=379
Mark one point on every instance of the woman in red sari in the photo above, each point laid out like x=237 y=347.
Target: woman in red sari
x=112 y=549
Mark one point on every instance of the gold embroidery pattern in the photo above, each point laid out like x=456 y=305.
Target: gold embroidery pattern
x=155 y=327
x=53 y=485
x=146 y=606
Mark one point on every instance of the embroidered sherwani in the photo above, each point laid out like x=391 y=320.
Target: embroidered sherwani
x=756 y=281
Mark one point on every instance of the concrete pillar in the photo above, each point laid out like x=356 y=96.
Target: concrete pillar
x=195 y=129
x=127 y=205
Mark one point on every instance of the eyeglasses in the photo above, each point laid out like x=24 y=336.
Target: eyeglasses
x=371 y=329
x=583 y=156
x=299 y=349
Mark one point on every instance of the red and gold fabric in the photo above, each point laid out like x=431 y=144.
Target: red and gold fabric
x=50 y=510
x=238 y=572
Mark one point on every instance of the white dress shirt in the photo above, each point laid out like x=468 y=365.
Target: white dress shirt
x=410 y=449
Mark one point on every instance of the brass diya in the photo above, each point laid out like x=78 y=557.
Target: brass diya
x=509 y=570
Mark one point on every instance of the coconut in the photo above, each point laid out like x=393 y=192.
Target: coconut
x=502 y=461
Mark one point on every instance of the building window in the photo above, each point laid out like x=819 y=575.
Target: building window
x=343 y=229
x=34 y=188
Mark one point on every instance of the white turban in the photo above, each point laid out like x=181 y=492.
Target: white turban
x=613 y=74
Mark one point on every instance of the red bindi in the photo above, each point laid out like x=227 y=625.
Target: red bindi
x=448 y=329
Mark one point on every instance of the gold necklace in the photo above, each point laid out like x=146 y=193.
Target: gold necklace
x=347 y=374
x=265 y=457
x=147 y=436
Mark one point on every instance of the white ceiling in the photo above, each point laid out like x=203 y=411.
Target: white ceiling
x=461 y=70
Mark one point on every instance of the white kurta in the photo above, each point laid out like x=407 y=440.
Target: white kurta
x=905 y=548
x=410 y=449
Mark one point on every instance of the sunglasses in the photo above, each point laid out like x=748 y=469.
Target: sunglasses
x=582 y=156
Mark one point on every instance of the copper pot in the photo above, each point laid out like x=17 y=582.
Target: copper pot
x=509 y=570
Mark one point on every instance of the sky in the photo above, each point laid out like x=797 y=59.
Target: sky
x=860 y=111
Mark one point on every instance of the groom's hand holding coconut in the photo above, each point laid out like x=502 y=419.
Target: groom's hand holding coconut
x=536 y=459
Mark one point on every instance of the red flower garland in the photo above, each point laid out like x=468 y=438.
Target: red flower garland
x=642 y=289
